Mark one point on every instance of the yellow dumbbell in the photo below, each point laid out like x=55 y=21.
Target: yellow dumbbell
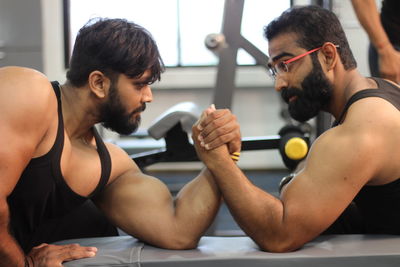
x=296 y=148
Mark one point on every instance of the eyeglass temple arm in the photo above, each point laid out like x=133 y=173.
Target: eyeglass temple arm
x=305 y=54
x=302 y=55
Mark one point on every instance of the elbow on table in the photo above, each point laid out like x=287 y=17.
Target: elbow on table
x=179 y=242
x=280 y=245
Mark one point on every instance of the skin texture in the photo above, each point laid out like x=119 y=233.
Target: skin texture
x=139 y=204
x=389 y=58
x=361 y=151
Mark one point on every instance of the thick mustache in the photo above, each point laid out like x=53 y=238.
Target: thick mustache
x=139 y=109
x=287 y=93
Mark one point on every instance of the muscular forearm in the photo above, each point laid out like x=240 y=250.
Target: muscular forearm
x=10 y=253
x=257 y=212
x=143 y=207
x=196 y=206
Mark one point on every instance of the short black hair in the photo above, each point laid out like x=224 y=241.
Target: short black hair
x=314 y=26
x=113 y=46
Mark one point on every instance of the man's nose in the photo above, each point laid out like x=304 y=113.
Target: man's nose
x=280 y=83
x=147 y=94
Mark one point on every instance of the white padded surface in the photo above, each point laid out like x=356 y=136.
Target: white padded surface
x=334 y=250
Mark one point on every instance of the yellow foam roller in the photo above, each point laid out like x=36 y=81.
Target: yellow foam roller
x=296 y=148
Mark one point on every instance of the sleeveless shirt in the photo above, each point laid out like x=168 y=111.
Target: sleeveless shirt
x=42 y=196
x=391 y=20
x=378 y=205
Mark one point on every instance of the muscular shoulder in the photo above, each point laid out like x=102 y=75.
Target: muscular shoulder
x=121 y=162
x=365 y=142
x=25 y=94
x=373 y=116
x=27 y=112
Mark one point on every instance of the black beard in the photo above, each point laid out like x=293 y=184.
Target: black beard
x=314 y=96
x=114 y=117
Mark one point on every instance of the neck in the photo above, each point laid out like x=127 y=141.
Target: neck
x=346 y=84
x=78 y=115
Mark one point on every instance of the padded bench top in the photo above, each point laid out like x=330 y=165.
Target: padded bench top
x=331 y=250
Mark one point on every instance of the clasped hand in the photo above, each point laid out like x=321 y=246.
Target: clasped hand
x=215 y=132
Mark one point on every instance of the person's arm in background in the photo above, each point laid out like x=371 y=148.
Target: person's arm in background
x=389 y=58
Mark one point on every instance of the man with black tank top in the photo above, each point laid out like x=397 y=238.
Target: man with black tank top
x=350 y=180
x=384 y=34
x=54 y=165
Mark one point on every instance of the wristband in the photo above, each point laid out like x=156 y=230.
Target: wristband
x=285 y=180
x=235 y=156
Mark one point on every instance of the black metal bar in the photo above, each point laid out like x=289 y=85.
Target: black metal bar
x=187 y=153
x=66 y=21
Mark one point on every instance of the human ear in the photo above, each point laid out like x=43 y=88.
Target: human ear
x=330 y=55
x=98 y=83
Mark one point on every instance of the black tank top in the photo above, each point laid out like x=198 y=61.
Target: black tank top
x=391 y=20
x=379 y=205
x=42 y=195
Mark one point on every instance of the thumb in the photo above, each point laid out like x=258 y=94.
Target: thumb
x=210 y=109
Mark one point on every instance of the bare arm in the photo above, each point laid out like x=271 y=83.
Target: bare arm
x=26 y=103
x=18 y=140
x=285 y=224
x=368 y=15
x=332 y=176
x=10 y=253
x=143 y=207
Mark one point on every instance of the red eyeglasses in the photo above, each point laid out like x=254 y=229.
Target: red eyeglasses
x=282 y=66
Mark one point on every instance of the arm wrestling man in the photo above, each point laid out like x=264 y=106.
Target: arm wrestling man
x=354 y=164
x=53 y=160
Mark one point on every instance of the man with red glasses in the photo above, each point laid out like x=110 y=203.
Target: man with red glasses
x=350 y=179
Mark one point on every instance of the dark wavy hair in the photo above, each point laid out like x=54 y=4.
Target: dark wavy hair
x=113 y=46
x=314 y=26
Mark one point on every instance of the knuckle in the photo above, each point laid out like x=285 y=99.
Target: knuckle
x=219 y=113
x=219 y=131
x=216 y=123
x=71 y=247
x=221 y=139
x=238 y=133
x=205 y=132
x=213 y=115
x=208 y=139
